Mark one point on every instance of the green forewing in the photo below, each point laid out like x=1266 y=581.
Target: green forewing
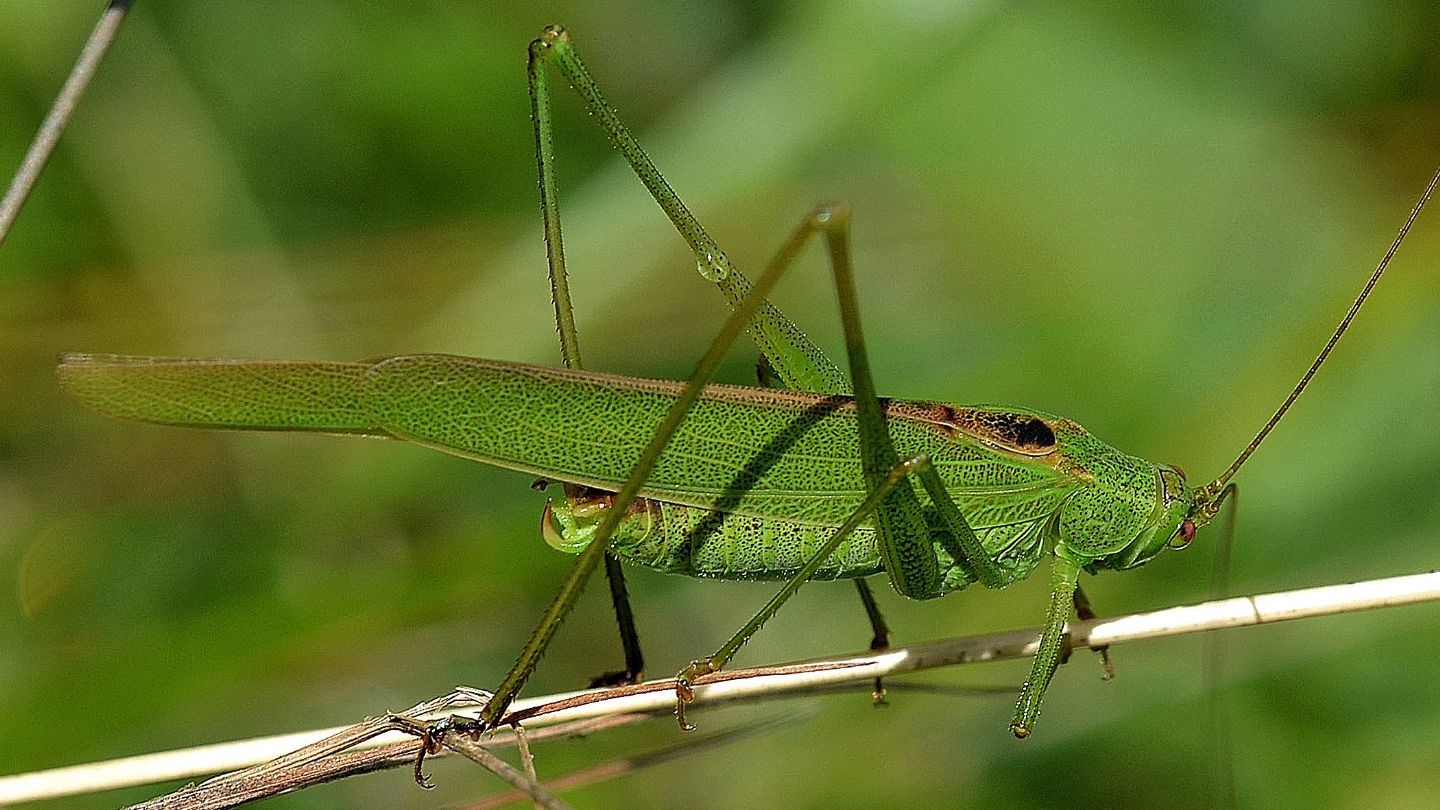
x=227 y=394
x=763 y=452
x=756 y=451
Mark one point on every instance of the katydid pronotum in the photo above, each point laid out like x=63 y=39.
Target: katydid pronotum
x=816 y=481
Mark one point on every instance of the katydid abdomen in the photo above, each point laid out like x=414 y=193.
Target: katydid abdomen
x=712 y=544
x=753 y=481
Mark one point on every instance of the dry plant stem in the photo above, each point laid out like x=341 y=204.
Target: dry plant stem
x=340 y=755
x=691 y=745
x=658 y=697
x=477 y=753
x=526 y=758
x=49 y=133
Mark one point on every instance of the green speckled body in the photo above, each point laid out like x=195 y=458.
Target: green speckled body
x=704 y=543
x=754 y=479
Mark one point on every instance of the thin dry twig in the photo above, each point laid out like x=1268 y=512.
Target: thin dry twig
x=49 y=133
x=356 y=752
x=345 y=753
x=690 y=746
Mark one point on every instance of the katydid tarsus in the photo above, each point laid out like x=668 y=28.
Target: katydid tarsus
x=815 y=481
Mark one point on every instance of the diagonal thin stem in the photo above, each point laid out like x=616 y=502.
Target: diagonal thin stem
x=49 y=133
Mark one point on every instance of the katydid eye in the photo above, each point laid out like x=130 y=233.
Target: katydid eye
x=1183 y=535
x=1034 y=433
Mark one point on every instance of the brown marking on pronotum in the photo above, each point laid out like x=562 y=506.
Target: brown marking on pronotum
x=1022 y=433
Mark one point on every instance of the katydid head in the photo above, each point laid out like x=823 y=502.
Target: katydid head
x=1127 y=509
x=1176 y=526
x=1172 y=525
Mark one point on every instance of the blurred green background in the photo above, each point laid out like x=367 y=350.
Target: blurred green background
x=1143 y=217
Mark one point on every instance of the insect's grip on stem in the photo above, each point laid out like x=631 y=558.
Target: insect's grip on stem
x=880 y=632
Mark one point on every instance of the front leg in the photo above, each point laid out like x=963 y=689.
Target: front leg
x=1064 y=577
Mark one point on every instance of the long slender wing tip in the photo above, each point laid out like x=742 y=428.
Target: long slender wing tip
x=73 y=359
x=98 y=359
x=73 y=364
x=221 y=394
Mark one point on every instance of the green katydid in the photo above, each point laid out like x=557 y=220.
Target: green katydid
x=813 y=482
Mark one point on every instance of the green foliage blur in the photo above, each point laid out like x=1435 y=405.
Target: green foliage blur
x=1144 y=217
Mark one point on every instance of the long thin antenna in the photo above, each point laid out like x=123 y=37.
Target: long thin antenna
x=49 y=134
x=1212 y=490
